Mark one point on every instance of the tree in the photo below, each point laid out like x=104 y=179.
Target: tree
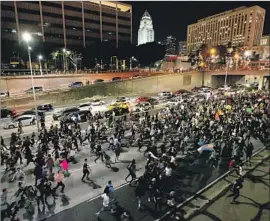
x=125 y=51
x=149 y=53
x=221 y=51
x=204 y=52
x=192 y=58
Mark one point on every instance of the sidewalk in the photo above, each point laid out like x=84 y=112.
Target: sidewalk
x=253 y=203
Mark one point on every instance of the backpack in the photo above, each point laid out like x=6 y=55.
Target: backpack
x=106 y=190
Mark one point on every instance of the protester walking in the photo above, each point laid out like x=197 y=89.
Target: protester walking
x=59 y=181
x=86 y=171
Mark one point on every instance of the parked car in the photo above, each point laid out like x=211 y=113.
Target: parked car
x=253 y=85
x=98 y=81
x=36 y=89
x=174 y=102
x=33 y=112
x=182 y=91
x=121 y=99
x=64 y=111
x=143 y=106
x=69 y=117
x=152 y=101
x=97 y=102
x=26 y=120
x=85 y=106
x=124 y=105
x=117 y=110
x=7 y=113
x=45 y=107
x=142 y=99
x=116 y=79
x=165 y=95
x=76 y=84
x=4 y=94
x=136 y=76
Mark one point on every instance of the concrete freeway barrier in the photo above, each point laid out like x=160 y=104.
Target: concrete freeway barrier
x=142 y=86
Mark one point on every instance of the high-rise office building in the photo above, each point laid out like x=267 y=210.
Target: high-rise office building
x=182 y=48
x=241 y=26
x=67 y=23
x=146 y=31
x=170 y=45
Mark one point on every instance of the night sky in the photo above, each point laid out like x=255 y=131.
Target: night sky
x=172 y=18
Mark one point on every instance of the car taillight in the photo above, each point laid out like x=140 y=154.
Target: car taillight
x=13 y=112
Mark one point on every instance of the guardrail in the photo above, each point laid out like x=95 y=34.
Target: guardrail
x=198 y=193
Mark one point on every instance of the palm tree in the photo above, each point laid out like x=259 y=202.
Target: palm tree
x=55 y=55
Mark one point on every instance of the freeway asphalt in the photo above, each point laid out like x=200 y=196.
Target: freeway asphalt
x=186 y=181
x=49 y=121
x=253 y=203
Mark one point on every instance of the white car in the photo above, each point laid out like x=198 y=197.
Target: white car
x=174 y=102
x=85 y=106
x=97 y=102
x=26 y=120
x=206 y=93
x=199 y=97
x=121 y=99
x=142 y=106
x=165 y=94
x=4 y=94
x=224 y=88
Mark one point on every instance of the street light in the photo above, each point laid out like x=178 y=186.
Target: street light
x=236 y=57
x=64 y=60
x=202 y=68
x=213 y=51
x=40 y=65
x=247 y=53
x=27 y=37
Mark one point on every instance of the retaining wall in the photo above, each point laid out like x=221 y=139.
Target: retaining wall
x=149 y=85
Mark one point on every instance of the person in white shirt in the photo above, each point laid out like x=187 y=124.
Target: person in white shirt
x=168 y=171
x=19 y=175
x=172 y=161
x=105 y=203
x=115 y=141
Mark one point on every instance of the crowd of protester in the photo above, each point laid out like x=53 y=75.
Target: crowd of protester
x=227 y=123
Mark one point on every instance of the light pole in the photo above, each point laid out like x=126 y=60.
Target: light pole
x=226 y=74
x=202 y=68
x=40 y=65
x=213 y=53
x=67 y=53
x=236 y=57
x=64 y=60
x=27 y=38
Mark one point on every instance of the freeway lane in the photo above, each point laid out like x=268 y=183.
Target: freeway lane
x=49 y=120
x=253 y=203
x=186 y=181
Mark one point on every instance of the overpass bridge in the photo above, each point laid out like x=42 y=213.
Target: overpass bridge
x=217 y=78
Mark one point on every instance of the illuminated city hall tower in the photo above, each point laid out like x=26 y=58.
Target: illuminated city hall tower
x=146 y=31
